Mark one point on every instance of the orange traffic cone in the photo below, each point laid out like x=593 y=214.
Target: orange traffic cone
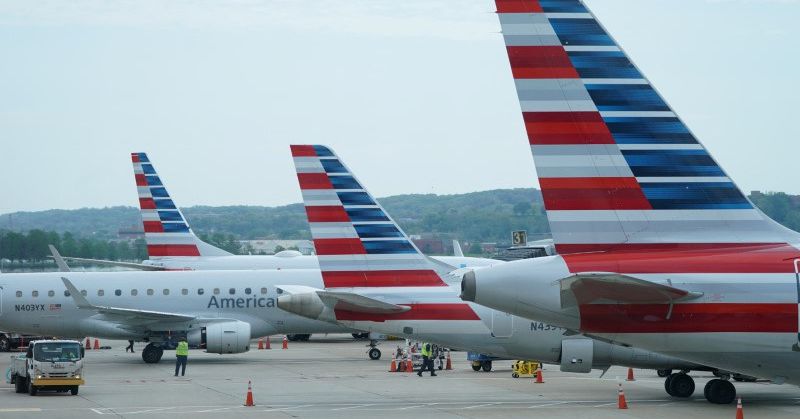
x=96 y=343
x=248 y=401
x=88 y=344
x=409 y=365
x=266 y=345
x=739 y=411
x=621 y=402
x=393 y=367
x=285 y=342
x=261 y=343
x=630 y=375
x=539 y=375
x=449 y=364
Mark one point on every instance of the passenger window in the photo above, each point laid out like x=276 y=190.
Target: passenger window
x=184 y=292
x=264 y=290
x=34 y=293
x=51 y=293
x=166 y=291
x=232 y=291
x=84 y=293
x=100 y=293
x=200 y=291
x=66 y=293
x=149 y=291
x=216 y=291
x=117 y=292
x=248 y=291
x=134 y=292
x=19 y=294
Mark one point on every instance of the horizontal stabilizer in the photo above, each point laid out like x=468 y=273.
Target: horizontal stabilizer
x=608 y=287
x=358 y=303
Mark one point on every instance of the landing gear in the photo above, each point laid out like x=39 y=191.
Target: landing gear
x=719 y=391
x=298 y=337
x=679 y=385
x=151 y=353
x=486 y=366
x=373 y=352
x=663 y=373
x=364 y=335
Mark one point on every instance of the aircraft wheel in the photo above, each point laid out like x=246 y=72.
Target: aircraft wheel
x=667 y=383
x=152 y=354
x=681 y=385
x=719 y=391
x=663 y=373
x=374 y=354
x=486 y=366
x=476 y=366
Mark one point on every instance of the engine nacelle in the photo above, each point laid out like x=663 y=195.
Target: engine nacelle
x=577 y=355
x=231 y=337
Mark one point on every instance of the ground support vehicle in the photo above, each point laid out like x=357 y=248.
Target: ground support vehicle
x=55 y=365
x=525 y=369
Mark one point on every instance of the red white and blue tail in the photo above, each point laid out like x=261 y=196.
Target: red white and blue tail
x=165 y=228
x=357 y=243
x=616 y=165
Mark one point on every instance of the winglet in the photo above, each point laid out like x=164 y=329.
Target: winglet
x=76 y=295
x=62 y=265
x=457 y=249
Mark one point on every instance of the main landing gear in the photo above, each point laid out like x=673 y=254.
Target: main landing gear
x=717 y=391
x=373 y=352
x=151 y=353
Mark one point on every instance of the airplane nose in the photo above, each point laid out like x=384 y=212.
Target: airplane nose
x=468 y=286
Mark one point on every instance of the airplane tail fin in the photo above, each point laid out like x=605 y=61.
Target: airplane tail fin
x=166 y=230
x=616 y=165
x=357 y=243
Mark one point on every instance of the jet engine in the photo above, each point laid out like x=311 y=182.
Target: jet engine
x=577 y=355
x=231 y=337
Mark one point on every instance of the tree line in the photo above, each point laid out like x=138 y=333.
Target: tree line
x=32 y=246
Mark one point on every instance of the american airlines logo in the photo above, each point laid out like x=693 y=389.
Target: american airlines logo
x=249 y=302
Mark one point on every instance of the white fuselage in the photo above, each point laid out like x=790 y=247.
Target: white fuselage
x=738 y=343
x=290 y=261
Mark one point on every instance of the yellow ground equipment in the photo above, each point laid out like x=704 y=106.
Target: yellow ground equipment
x=524 y=369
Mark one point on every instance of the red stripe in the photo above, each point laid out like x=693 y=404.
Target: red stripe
x=314 y=181
x=518 y=6
x=140 y=179
x=153 y=227
x=135 y=157
x=326 y=214
x=598 y=193
x=339 y=247
x=147 y=203
x=689 y=318
x=549 y=62
x=682 y=258
x=155 y=250
x=303 y=151
x=443 y=311
x=566 y=128
x=410 y=278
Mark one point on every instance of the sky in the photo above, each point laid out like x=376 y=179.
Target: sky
x=415 y=96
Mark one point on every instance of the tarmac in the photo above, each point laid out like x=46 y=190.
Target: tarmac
x=331 y=377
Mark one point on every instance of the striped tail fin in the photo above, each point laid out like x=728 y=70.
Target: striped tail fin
x=357 y=243
x=616 y=165
x=165 y=228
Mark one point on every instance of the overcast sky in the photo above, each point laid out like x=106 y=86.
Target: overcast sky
x=415 y=95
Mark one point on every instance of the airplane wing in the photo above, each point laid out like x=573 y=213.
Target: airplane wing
x=609 y=287
x=358 y=303
x=131 y=265
x=124 y=315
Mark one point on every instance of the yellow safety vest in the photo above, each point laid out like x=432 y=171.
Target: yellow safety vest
x=182 y=349
x=426 y=350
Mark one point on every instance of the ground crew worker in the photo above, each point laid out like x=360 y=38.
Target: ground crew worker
x=427 y=359
x=130 y=346
x=181 y=355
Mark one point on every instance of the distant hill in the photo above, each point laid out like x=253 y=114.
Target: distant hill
x=487 y=216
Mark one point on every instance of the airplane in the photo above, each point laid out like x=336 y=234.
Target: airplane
x=172 y=245
x=657 y=247
x=376 y=279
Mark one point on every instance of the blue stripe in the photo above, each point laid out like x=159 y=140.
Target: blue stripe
x=649 y=131
x=148 y=169
x=175 y=227
x=170 y=216
x=323 y=151
x=365 y=214
x=333 y=166
x=159 y=192
x=671 y=163
x=344 y=182
x=562 y=6
x=164 y=204
x=355 y=198
x=580 y=32
x=388 y=247
x=701 y=195
x=143 y=158
x=153 y=181
x=626 y=97
x=372 y=231
x=603 y=64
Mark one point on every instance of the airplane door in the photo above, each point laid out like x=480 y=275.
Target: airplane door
x=502 y=324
